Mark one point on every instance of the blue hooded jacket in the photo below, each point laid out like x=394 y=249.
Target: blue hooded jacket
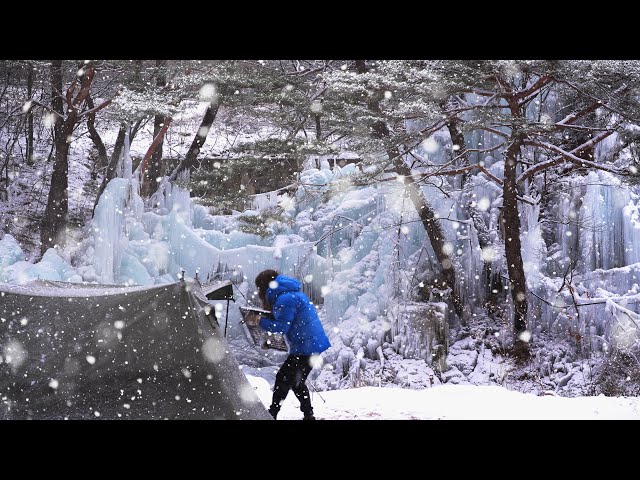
x=295 y=317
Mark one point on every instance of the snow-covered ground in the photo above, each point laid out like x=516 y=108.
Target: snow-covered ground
x=451 y=402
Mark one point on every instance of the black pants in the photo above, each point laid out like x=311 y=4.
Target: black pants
x=291 y=376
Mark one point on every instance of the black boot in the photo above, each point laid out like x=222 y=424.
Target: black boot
x=309 y=417
x=273 y=410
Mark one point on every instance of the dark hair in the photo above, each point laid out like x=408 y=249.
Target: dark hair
x=263 y=279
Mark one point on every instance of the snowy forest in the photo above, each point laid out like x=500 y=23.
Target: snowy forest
x=458 y=226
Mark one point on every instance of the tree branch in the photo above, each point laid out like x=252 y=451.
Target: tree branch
x=96 y=109
x=458 y=171
x=541 y=82
x=494 y=131
x=565 y=156
x=152 y=147
x=87 y=78
x=600 y=102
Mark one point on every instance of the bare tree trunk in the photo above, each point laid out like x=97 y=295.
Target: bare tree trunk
x=433 y=228
x=110 y=173
x=467 y=210
x=157 y=141
x=95 y=136
x=137 y=73
x=112 y=166
x=190 y=158
x=423 y=207
x=511 y=220
x=156 y=170
x=457 y=137
x=55 y=218
x=30 y=115
x=318 y=127
x=55 y=215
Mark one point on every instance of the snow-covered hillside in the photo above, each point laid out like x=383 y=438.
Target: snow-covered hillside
x=357 y=250
x=355 y=239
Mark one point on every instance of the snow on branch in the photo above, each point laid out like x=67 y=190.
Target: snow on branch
x=459 y=171
x=494 y=131
x=606 y=105
x=565 y=156
x=572 y=117
x=483 y=93
x=477 y=150
x=96 y=109
x=533 y=89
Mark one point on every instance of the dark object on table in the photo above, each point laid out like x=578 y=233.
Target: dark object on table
x=256 y=335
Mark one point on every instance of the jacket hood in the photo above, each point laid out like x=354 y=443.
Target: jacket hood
x=285 y=284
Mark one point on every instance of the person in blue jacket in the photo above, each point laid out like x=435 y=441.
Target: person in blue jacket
x=296 y=317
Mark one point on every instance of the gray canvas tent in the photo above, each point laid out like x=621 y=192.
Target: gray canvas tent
x=101 y=351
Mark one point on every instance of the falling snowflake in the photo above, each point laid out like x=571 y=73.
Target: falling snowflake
x=316 y=361
x=430 y=145
x=49 y=120
x=208 y=92
x=525 y=336
x=316 y=106
x=489 y=254
x=14 y=354
x=286 y=202
x=484 y=204
x=246 y=393
x=214 y=349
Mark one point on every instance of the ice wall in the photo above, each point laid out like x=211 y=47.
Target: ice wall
x=108 y=230
x=130 y=245
x=10 y=253
x=596 y=245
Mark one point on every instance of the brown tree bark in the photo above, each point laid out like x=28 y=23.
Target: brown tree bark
x=423 y=207
x=54 y=222
x=30 y=115
x=318 y=127
x=467 y=210
x=155 y=144
x=112 y=167
x=457 y=137
x=190 y=158
x=156 y=168
x=111 y=171
x=95 y=136
x=433 y=228
x=55 y=215
x=511 y=219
